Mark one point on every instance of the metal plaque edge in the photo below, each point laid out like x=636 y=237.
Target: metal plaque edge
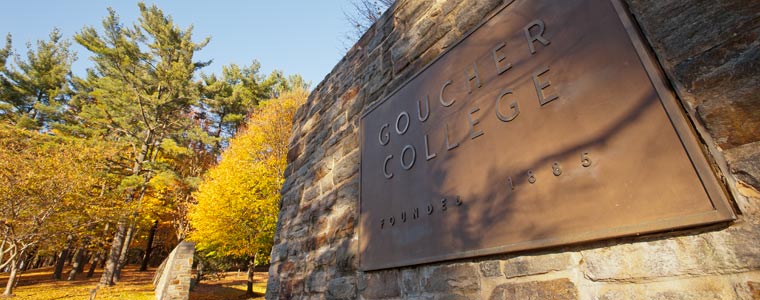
x=716 y=192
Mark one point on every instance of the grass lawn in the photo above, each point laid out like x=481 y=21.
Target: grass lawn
x=39 y=285
x=230 y=287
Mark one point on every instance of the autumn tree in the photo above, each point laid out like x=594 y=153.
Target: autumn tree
x=35 y=87
x=49 y=187
x=238 y=201
x=141 y=93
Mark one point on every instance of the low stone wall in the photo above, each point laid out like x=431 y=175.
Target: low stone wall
x=710 y=52
x=172 y=279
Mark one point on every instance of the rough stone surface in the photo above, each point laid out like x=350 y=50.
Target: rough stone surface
x=711 y=50
x=532 y=265
x=342 y=288
x=560 y=289
x=708 y=49
x=172 y=279
x=709 y=288
x=380 y=285
x=460 y=279
x=490 y=269
x=746 y=161
x=754 y=290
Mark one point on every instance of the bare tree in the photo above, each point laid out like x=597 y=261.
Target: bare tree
x=363 y=14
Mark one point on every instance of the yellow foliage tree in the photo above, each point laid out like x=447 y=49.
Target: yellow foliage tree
x=238 y=201
x=50 y=188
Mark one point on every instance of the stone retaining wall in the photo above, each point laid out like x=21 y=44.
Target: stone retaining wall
x=710 y=52
x=172 y=279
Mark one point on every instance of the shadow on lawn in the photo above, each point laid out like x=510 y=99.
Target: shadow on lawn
x=229 y=287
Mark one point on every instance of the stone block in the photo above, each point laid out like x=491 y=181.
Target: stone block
x=273 y=287
x=322 y=168
x=707 y=253
x=745 y=163
x=348 y=194
x=342 y=288
x=412 y=10
x=685 y=289
x=681 y=29
x=381 y=284
x=473 y=12
x=490 y=269
x=538 y=264
x=316 y=282
x=324 y=257
x=742 y=243
x=346 y=256
x=715 y=56
x=462 y=279
x=350 y=143
x=559 y=289
x=424 y=43
x=346 y=167
x=410 y=282
x=310 y=193
x=293 y=286
x=325 y=184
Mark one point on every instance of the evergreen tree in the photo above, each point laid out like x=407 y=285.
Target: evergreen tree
x=229 y=99
x=140 y=93
x=35 y=91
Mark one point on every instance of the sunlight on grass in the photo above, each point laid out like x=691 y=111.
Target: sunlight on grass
x=232 y=286
x=39 y=285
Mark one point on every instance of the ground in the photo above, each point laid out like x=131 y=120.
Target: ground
x=39 y=285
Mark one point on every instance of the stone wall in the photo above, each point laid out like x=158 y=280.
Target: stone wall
x=710 y=52
x=172 y=279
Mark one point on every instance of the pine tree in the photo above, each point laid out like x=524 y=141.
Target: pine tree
x=35 y=91
x=229 y=99
x=140 y=93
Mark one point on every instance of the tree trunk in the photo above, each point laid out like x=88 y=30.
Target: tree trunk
x=95 y=260
x=35 y=261
x=86 y=258
x=112 y=262
x=77 y=267
x=251 y=265
x=61 y=261
x=103 y=260
x=199 y=274
x=124 y=253
x=11 y=279
x=48 y=261
x=70 y=257
x=113 y=256
x=149 y=247
x=29 y=260
x=38 y=263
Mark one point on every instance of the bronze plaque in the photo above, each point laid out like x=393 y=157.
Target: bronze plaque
x=550 y=124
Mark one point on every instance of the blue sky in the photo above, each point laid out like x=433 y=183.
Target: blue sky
x=305 y=37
